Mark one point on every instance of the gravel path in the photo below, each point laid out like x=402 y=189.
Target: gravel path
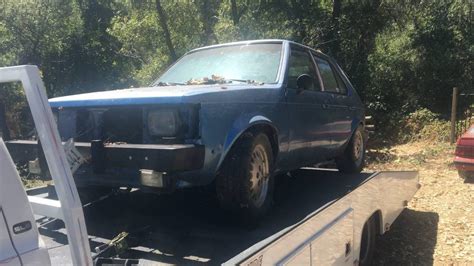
x=438 y=226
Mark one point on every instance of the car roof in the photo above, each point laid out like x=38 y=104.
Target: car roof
x=257 y=41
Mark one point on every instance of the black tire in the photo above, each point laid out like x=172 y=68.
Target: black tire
x=462 y=174
x=353 y=158
x=466 y=175
x=245 y=183
x=367 y=242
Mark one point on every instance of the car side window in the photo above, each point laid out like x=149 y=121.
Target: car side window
x=301 y=63
x=332 y=82
x=340 y=83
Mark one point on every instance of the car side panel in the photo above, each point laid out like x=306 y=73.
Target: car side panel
x=310 y=127
x=342 y=110
x=222 y=123
x=351 y=111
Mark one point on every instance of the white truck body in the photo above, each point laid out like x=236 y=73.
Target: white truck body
x=46 y=127
x=20 y=243
x=331 y=235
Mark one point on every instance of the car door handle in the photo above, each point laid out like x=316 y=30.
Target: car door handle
x=325 y=106
x=352 y=108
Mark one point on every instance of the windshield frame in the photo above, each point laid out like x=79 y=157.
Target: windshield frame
x=281 y=67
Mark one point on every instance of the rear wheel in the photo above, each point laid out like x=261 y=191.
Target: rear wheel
x=367 y=243
x=466 y=175
x=245 y=182
x=352 y=160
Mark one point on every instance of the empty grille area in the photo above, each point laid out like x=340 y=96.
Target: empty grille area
x=123 y=125
x=109 y=125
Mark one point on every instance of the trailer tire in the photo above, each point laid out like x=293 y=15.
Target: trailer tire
x=367 y=242
x=245 y=183
x=353 y=158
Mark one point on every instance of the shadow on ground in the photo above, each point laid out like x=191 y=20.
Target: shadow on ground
x=411 y=240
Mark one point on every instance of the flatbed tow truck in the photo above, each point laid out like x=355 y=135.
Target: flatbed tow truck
x=323 y=217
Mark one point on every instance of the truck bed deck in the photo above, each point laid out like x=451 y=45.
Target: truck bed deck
x=188 y=227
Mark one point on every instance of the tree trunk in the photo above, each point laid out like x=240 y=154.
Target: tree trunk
x=4 y=133
x=164 y=25
x=208 y=12
x=235 y=12
x=334 y=33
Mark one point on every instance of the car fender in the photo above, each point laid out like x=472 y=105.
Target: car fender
x=241 y=125
x=354 y=125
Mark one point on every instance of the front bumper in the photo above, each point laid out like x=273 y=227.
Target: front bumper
x=122 y=164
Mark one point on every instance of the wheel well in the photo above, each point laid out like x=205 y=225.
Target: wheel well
x=267 y=130
x=377 y=215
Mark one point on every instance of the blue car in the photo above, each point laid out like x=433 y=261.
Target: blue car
x=233 y=115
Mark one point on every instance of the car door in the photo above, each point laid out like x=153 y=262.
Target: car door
x=339 y=103
x=307 y=110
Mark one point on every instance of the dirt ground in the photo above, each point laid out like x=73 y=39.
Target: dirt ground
x=438 y=226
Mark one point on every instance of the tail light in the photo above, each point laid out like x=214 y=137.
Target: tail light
x=464 y=151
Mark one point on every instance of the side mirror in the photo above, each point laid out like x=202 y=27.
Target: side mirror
x=304 y=82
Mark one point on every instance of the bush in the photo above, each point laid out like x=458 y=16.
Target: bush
x=424 y=125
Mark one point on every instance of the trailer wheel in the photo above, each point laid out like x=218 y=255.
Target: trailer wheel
x=367 y=242
x=245 y=183
x=353 y=158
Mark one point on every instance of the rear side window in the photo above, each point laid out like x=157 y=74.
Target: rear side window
x=301 y=63
x=331 y=81
x=340 y=83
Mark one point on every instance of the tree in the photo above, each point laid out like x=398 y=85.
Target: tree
x=164 y=26
x=208 y=10
x=400 y=57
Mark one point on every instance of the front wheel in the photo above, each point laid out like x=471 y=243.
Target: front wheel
x=245 y=182
x=352 y=160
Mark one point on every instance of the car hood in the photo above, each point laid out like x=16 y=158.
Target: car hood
x=146 y=95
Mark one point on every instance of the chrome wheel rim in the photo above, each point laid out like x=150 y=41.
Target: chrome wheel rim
x=259 y=175
x=358 y=146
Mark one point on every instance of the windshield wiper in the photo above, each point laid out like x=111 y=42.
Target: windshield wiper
x=248 y=81
x=215 y=79
x=161 y=83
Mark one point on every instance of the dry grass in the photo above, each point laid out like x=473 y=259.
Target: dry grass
x=438 y=226
x=32 y=183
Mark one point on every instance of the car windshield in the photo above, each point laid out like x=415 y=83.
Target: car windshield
x=250 y=63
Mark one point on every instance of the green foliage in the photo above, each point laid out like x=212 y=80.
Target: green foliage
x=443 y=38
x=418 y=59
x=424 y=125
x=401 y=56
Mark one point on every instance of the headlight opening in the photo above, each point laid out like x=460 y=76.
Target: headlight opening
x=164 y=123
